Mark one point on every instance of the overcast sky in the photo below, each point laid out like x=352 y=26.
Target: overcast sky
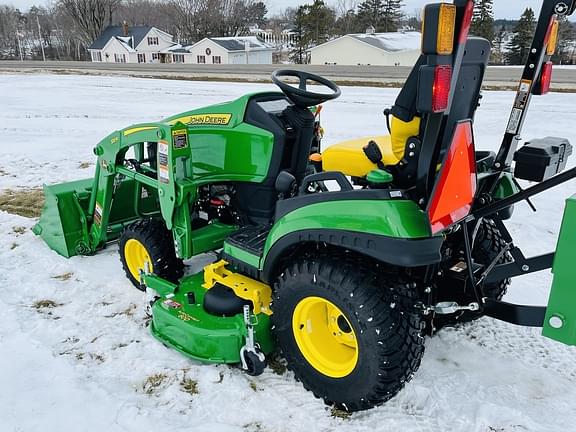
x=502 y=8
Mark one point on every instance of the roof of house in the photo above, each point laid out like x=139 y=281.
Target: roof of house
x=389 y=42
x=239 y=43
x=136 y=32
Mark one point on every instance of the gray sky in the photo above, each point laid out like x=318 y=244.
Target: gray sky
x=502 y=8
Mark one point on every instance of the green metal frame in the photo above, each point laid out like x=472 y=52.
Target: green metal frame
x=560 y=321
x=80 y=217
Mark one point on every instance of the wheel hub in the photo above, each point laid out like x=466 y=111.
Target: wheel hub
x=136 y=257
x=325 y=337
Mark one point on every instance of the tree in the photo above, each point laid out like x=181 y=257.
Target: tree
x=314 y=25
x=519 y=46
x=89 y=16
x=383 y=15
x=298 y=53
x=483 y=20
x=498 y=44
x=201 y=18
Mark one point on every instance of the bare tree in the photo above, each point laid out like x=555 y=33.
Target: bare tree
x=89 y=16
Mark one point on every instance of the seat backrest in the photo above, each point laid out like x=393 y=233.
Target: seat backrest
x=407 y=122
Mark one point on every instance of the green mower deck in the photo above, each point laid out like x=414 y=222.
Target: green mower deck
x=182 y=323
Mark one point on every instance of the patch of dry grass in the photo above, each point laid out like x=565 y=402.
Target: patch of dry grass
x=84 y=165
x=277 y=366
x=96 y=357
x=64 y=276
x=338 y=413
x=18 y=230
x=190 y=386
x=45 y=304
x=22 y=202
x=153 y=382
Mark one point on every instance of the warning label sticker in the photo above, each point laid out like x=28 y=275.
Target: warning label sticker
x=163 y=170
x=514 y=122
x=98 y=214
x=180 y=138
x=523 y=95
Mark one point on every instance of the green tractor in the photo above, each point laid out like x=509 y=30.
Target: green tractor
x=343 y=261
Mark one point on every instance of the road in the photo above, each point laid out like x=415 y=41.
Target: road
x=496 y=77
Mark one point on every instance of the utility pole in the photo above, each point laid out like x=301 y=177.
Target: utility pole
x=40 y=38
x=19 y=45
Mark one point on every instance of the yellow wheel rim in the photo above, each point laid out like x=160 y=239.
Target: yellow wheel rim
x=136 y=257
x=325 y=337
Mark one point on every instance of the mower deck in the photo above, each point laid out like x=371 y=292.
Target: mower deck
x=182 y=323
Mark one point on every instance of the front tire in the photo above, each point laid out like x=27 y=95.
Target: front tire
x=148 y=242
x=351 y=335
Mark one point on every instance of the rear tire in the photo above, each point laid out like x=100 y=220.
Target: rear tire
x=148 y=240
x=352 y=336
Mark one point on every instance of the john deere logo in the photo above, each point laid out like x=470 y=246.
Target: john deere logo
x=209 y=119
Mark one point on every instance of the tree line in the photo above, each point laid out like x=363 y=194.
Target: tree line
x=64 y=31
x=511 y=41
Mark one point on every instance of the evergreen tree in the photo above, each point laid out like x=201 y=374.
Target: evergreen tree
x=519 y=46
x=313 y=25
x=383 y=15
x=483 y=20
x=298 y=53
x=498 y=44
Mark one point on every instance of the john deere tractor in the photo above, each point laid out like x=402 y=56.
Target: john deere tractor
x=342 y=260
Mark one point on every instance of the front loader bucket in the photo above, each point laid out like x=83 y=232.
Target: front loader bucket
x=560 y=322
x=63 y=223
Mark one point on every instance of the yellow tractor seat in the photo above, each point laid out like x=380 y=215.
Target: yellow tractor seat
x=349 y=158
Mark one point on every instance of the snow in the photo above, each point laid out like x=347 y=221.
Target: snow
x=392 y=41
x=84 y=363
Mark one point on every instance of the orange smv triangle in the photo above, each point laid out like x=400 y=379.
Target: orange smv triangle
x=454 y=193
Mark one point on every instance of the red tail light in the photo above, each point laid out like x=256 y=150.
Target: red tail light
x=454 y=193
x=441 y=89
x=545 y=79
x=466 y=22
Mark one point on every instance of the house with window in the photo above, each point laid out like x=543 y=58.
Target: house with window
x=230 y=50
x=144 y=44
x=137 y=44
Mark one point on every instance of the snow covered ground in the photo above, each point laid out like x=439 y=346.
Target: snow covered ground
x=74 y=350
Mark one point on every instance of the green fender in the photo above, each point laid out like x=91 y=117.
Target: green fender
x=393 y=231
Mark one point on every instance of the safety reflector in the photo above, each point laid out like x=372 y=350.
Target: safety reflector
x=441 y=89
x=446 y=24
x=466 y=22
x=543 y=85
x=438 y=27
x=552 y=37
x=455 y=189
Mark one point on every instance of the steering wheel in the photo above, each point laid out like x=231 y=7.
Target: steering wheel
x=300 y=95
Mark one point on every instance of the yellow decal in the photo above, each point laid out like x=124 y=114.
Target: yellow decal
x=186 y=317
x=114 y=140
x=138 y=129
x=205 y=119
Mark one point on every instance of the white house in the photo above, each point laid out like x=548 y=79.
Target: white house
x=382 y=49
x=143 y=44
x=230 y=50
x=138 y=44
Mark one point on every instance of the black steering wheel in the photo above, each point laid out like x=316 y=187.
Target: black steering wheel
x=300 y=95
